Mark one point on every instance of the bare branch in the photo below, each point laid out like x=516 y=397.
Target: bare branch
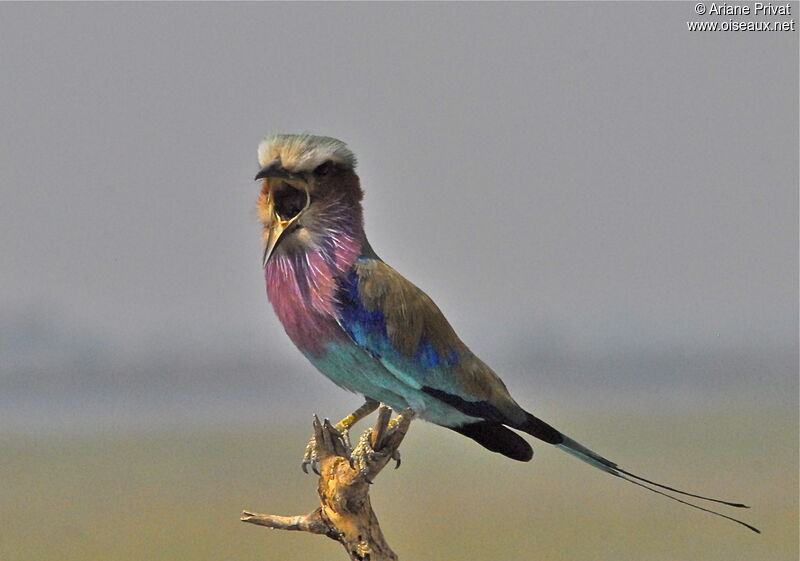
x=345 y=513
x=311 y=522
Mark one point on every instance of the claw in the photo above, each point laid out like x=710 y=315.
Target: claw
x=309 y=456
x=396 y=458
x=310 y=461
x=337 y=438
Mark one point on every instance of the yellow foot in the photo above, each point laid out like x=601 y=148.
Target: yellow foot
x=372 y=443
x=310 y=456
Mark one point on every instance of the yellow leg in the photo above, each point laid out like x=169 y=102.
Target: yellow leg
x=354 y=417
x=393 y=422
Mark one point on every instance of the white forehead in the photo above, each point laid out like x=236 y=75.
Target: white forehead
x=304 y=152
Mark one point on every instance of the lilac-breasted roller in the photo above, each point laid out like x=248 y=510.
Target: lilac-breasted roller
x=366 y=327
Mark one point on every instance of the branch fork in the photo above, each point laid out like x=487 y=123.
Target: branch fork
x=345 y=513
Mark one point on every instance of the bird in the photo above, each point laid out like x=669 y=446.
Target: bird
x=369 y=329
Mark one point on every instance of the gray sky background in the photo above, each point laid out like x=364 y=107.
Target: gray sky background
x=592 y=193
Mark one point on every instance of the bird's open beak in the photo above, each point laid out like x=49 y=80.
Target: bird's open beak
x=280 y=228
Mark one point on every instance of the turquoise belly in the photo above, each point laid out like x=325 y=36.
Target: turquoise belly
x=353 y=369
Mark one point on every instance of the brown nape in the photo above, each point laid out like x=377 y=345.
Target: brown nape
x=343 y=181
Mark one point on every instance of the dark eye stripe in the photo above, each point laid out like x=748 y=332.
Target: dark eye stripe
x=324 y=168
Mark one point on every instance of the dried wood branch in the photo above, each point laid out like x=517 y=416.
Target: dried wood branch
x=345 y=513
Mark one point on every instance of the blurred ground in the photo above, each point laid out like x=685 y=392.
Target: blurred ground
x=176 y=493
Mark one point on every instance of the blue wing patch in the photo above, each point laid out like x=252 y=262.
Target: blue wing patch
x=364 y=327
x=367 y=328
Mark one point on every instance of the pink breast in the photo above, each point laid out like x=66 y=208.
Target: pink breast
x=308 y=316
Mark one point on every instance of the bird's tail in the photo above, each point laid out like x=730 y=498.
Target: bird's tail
x=543 y=431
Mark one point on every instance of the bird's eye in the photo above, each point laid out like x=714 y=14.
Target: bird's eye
x=289 y=202
x=324 y=169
